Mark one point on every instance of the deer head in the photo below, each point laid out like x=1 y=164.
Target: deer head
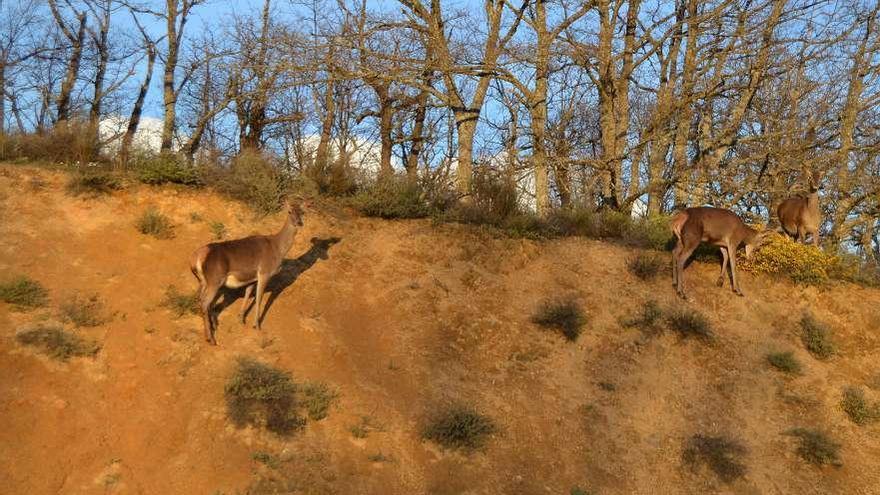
x=755 y=242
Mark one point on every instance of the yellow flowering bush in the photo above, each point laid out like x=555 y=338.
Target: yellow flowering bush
x=802 y=263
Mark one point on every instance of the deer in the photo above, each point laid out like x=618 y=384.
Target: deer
x=799 y=215
x=716 y=226
x=248 y=262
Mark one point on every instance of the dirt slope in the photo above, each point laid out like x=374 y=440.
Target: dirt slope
x=399 y=317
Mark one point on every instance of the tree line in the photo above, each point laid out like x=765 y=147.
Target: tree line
x=600 y=103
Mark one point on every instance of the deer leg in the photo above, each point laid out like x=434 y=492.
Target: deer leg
x=816 y=238
x=676 y=251
x=261 y=286
x=209 y=294
x=723 y=267
x=244 y=302
x=682 y=260
x=801 y=235
x=735 y=280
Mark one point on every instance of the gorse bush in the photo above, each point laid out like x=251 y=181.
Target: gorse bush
x=566 y=316
x=459 y=427
x=254 y=179
x=802 y=263
x=857 y=407
x=816 y=447
x=57 y=343
x=23 y=292
x=720 y=454
x=92 y=183
x=816 y=337
x=153 y=222
x=393 y=197
x=260 y=395
x=166 y=168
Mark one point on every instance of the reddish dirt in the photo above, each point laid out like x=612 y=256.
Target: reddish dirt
x=400 y=317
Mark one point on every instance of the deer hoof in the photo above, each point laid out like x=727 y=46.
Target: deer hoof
x=740 y=293
x=720 y=282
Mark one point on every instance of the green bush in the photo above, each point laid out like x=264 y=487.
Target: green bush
x=254 y=179
x=166 y=168
x=784 y=361
x=260 y=395
x=816 y=337
x=57 y=343
x=816 y=447
x=153 y=222
x=392 y=197
x=857 y=408
x=459 y=427
x=23 y=292
x=566 y=316
x=720 y=454
x=92 y=183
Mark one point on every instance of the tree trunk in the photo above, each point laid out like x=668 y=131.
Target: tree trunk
x=466 y=127
x=323 y=151
x=135 y=118
x=64 y=97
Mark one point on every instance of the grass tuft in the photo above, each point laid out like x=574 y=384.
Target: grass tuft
x=269 y=460
x=816 y=337
x=648 y=319
x=857 y=408
x=720 y=454
x=218 y=230
x=84 y=311
x=260 y=395
x=181 y=303
x=689 y=323
x=565 y=316
x=816 y=447
x=646 y=266
x=318 y=399
x=459 y=427
x=92 y=184
x=153 y=222
x=784 y=361
x=57 y=343
x=23 y=292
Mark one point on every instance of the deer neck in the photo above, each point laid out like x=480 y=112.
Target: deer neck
x=284 y=238
x=813 y=200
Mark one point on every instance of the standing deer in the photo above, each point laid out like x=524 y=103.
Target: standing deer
x=718 y=227
x=242 y=262
x=799 y=216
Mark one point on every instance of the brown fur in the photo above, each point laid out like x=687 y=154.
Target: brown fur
x=241 y=263
x=799 y=216
x=718 y=227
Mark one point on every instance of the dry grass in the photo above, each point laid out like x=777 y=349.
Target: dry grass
x=785 y=362
x=689 y=323
x=722 y=455
x=648 y=320
x=646 y=266
x=566 y=316
x=84 y=311
x=57 y=343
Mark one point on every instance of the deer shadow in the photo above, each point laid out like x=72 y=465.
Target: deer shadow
x=287 y=274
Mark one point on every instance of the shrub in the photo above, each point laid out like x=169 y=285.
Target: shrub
x=648 y=320
x=83 y=312
x=23 y=292
x=459 y=427
x=816 y=447
x=57 y=343
x=650 y=233
x=254 y=179
x=646 y=266
x=267 y=459
x=577 y=221
x=69 y=142
x=318 y=399
x=334 y=178
x=857 y=408
x=392 y=197
x=784 y=361
x=802 y=263
x=92 y=183
x=566 y=316
x=153 y=222
x=720 y=454
x=181 y=303
x=261 y=395
x=166 y=168
x=218 y=230
x=689 y=323
x=816 y=337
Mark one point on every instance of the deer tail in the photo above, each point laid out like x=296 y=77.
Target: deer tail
x=677 y=223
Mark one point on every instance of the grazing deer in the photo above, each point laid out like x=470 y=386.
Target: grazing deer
x=242 y=262
x=799 y=216
x=718 y=227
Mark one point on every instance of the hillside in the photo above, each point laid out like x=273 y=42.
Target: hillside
x=400 y=318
